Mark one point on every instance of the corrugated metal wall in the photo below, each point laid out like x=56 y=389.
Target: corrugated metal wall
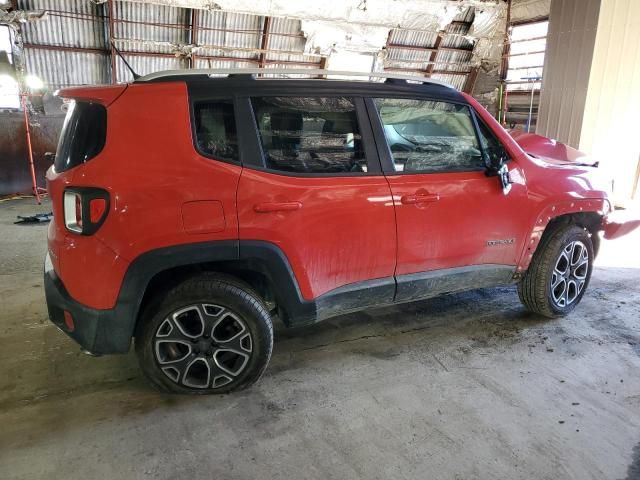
x=567 y=66
x=442 y=56
x=71 y=25
x=70 y=45
x=79 y=23
x=610 y=124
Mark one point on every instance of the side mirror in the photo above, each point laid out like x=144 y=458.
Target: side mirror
x=497 y=167
x=50 y=157
x=497 y=157
x=505 y=180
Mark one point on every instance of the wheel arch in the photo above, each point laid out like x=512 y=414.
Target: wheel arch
x=261 y=265
x=586 y=213
x=590 y=221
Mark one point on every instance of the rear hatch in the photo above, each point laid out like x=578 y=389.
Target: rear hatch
x=82 y=138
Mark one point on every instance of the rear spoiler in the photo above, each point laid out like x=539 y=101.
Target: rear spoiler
x=103 y=94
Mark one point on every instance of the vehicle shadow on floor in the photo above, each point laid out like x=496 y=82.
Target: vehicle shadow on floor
x=66 y=372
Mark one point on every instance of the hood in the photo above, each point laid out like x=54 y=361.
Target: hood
x=550 y=150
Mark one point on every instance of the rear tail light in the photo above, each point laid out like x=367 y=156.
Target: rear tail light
x=85 y=209
x=73 y=211
x=97 y=207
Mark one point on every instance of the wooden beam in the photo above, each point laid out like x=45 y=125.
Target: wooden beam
x=434 y=54
x=160 y=54
x=504 y=68
x=470 y=82
x=66 y=49
x=265 y=42
x=323 y=66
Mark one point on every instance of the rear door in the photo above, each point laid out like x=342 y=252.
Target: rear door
x=318 y=193
x=456 y=227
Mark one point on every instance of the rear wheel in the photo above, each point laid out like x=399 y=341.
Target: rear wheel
x=559 y=272
x=210 y=334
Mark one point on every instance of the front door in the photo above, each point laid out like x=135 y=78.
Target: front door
x=456 y=227
x=320 y=195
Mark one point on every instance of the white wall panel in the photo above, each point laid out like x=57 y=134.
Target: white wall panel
x=567 y=66
x=610 y=127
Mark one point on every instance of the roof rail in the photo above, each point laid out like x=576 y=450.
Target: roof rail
x=288 y=71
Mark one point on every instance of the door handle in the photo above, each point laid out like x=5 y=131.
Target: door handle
x=419 y=198
x=268 y=207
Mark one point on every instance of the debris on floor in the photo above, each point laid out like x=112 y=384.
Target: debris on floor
x=37 y=218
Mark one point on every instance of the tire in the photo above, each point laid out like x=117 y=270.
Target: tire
x=210 y=334
x=558 y=275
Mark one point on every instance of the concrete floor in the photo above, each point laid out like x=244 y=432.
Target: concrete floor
x=466 y=386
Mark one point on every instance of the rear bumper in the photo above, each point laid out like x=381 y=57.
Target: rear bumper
x=98 y=331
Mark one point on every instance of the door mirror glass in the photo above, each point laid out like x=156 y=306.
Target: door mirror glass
x=505 y=179
x=497 y=157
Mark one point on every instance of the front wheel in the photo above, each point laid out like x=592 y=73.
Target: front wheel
x=559 y=272
x=210 y=334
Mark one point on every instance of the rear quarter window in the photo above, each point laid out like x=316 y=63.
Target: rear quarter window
x=215 y=129
x=83 y=135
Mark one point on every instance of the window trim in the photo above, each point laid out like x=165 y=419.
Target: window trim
x=374 y=168
x=384 y=151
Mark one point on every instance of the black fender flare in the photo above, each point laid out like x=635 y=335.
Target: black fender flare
x=264 y=257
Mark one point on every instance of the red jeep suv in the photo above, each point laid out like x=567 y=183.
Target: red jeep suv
x=190 y=208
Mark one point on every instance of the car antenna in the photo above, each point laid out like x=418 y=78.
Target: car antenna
x=135 y=75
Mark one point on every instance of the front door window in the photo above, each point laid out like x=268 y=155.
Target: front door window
x=427 y=137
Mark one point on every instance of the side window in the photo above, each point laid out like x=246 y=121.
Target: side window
x=426 y=136
x=215 y=126
x=310 y=135
x=490 y=143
